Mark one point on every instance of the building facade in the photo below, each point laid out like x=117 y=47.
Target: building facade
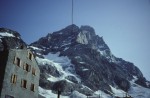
x=19 y=74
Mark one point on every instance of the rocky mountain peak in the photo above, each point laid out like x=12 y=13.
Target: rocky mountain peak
x=10 y=39
x=88 y=29
x=85 y=35
x=71 y=29
x=9 y=33
x=90 y=55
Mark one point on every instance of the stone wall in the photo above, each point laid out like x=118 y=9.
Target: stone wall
x=16 y=89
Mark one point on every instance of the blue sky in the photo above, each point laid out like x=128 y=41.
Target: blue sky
x=124 y=24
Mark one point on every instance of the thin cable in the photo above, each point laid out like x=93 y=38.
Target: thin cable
x=72 y=12
x=72 y=16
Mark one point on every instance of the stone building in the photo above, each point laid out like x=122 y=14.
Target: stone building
x=19 y=74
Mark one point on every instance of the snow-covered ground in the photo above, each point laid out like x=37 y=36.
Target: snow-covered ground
x=118 y=92
x=101 y=94
x=76 y=94
x=49 y=94
x=64 y=66
x=137 y=91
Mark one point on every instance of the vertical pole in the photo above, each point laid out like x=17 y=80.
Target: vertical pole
x=59 y=92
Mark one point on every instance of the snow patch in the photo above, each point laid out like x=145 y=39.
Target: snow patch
x=63 y=60
x=148 y=83
x=66 y=48
x=118 y=92
x=76 y=94
x=38 y=53
x=62 y=64
x=82 y=62
x=53 y=79
x=83 y=86
x=77 y=57
x=49 y=94
x=101 y=94
x=134 y=79
x=35 y=48
x=44 y=62
x=102 y=52
x=85 y=69
x=65 y=44
x=6 y=34
x=110 y=56
x=137 y=91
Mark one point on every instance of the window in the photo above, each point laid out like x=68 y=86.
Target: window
x=33 y=71
x=17 y=61
x=27 y=67
x=21 y=47
x=32 y=88
x=24 y=83
x=30 y=55
x=8 y=96
x=13 y=78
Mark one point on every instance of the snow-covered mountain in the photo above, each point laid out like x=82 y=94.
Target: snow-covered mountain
x=10 y=39
x=79 y=63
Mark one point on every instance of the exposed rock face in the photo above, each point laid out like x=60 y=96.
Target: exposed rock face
x=93 y=61
x=86 y=34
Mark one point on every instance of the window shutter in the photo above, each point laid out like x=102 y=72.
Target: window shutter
x=14 y=60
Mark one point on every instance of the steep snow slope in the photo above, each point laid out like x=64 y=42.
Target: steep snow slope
x=62 y=63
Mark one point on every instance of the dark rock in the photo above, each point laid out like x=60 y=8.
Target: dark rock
x=72 y=79
x=48 y=69
x=92 y=59
x=67 y=88
x=141 y=81
x=122 y=83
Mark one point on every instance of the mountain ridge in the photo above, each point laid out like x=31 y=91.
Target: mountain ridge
x=85 y=37
x=90 y=64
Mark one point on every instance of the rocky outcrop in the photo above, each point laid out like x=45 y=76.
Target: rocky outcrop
x=10 y=39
